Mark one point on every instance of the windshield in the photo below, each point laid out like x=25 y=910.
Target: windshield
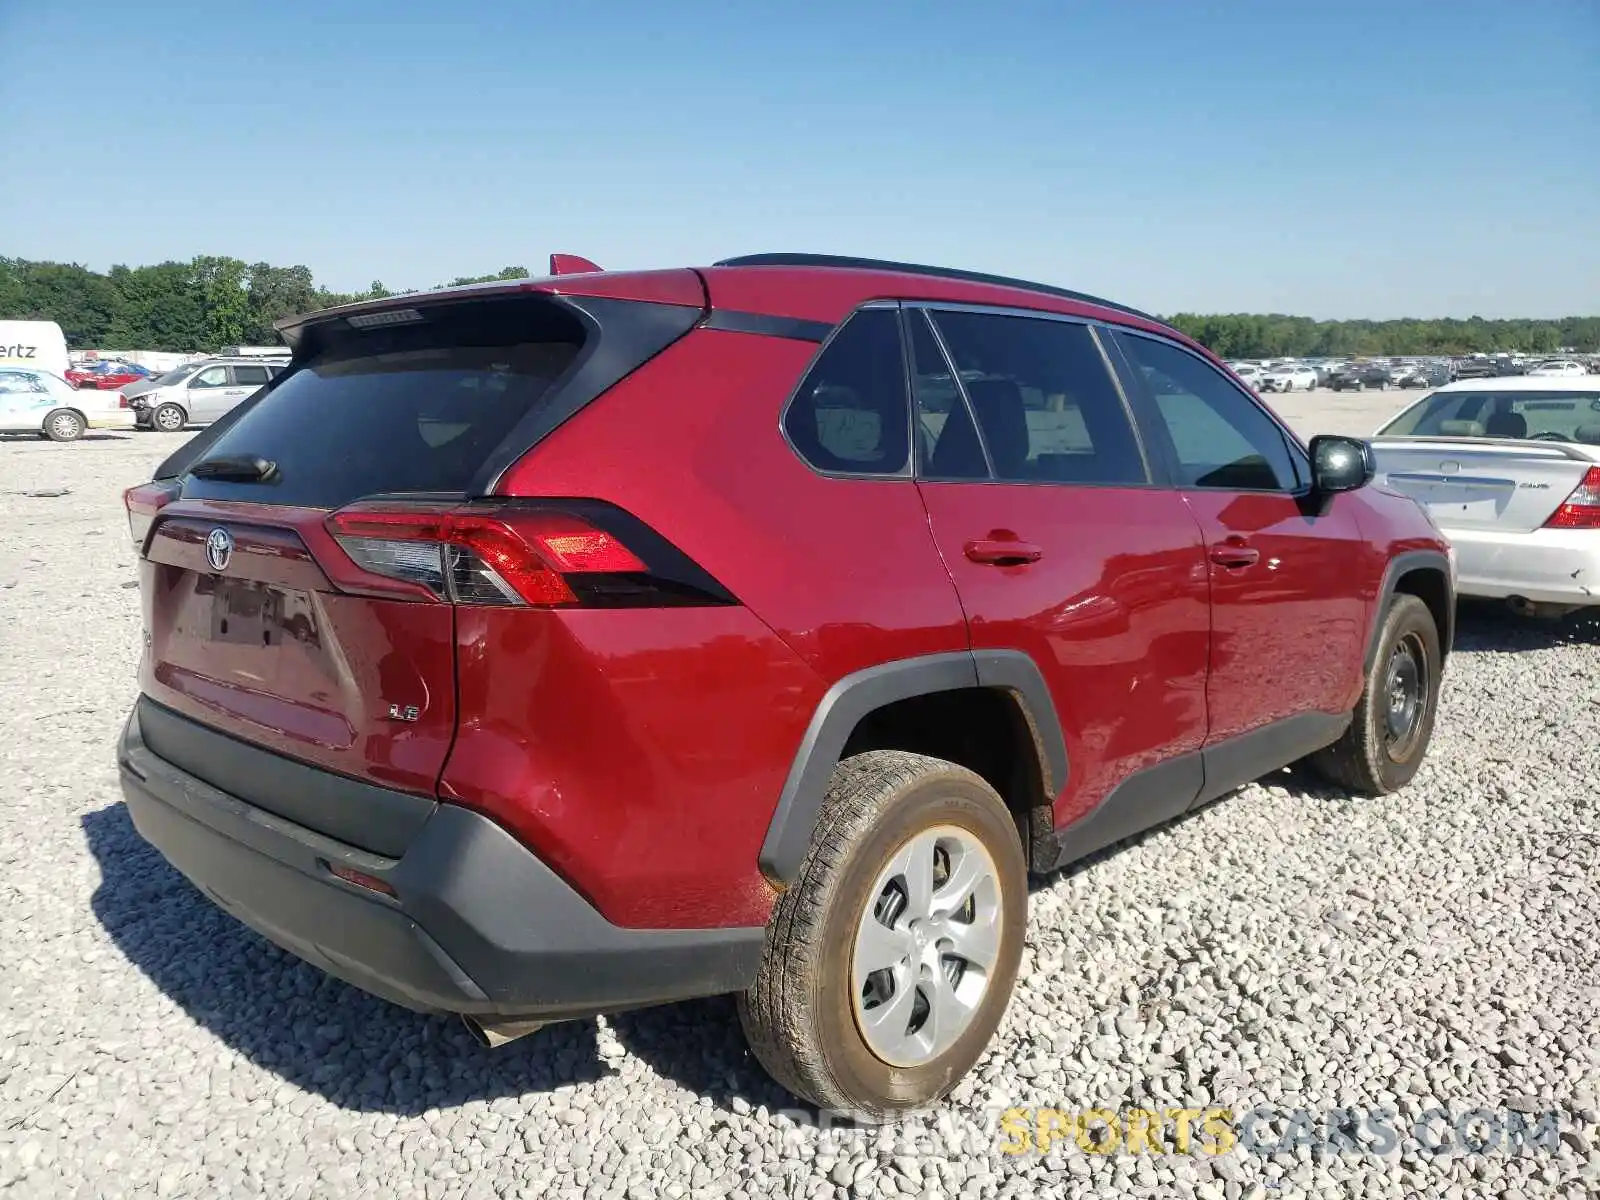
x=1544 y=416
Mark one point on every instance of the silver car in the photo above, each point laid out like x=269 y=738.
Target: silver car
x=1509 y=469
x=197 y=393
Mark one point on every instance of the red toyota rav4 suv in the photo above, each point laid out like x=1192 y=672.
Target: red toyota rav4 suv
x=554 y=647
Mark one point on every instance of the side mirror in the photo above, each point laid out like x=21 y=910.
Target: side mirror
x=1340 y=464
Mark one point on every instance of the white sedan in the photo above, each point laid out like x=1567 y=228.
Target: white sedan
x=1509 y=469
x=1288 y=379
x=1559 y=368
x=1248 y=372
x=38 y=402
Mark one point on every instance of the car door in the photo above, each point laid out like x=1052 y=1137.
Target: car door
x=20 y=402
x=208 y=394
x=248 y=379
x=1289 y=598
x=1065 y=543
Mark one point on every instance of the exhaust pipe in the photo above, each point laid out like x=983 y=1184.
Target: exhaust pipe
x=498 y=1032
x=1521 y=605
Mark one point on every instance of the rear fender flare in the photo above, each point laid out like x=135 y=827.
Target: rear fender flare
x=856 y=695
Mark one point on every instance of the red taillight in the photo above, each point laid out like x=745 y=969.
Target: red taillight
x=123 y=401
x=495 y=556
x=1581 y=510
x=143 y=503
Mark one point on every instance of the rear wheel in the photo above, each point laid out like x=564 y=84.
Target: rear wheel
x=891 y=958
x=1393 y=721
x=169 y=418
x=64 y=425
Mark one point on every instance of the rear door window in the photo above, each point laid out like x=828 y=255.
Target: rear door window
x=1046 y=405
x=250 y=376
x=850 y=415
x=400 y=409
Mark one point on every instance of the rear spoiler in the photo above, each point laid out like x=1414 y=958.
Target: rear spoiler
x=1573 y=451
x=570 y=276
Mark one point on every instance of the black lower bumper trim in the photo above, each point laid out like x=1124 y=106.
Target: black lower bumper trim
x=478 y=923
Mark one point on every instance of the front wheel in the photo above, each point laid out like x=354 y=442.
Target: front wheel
x=169 y=418
x=64 y=425
x=891 y=957
x=1393 y=721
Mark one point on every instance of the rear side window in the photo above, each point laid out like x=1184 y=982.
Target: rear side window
x=250 y=376
x=1047 y=407
x=407 y=408
x=850 y=415
x=947 y=439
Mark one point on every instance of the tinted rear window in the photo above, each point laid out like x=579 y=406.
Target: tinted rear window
x=410 y=408
x=1554 y=416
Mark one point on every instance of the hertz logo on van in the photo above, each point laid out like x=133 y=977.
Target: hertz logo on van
x=18 y=351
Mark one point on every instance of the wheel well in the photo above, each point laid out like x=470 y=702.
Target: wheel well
x=982 y=729
x=1432 y=587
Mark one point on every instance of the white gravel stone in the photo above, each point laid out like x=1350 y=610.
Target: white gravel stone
x=1288 y=946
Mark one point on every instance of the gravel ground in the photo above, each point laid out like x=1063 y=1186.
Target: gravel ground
x=1287 y=947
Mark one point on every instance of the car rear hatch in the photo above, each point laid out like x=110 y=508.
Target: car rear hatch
x=283 y=609
x=1475 y=483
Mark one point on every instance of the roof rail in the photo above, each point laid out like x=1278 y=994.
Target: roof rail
x=880 y=264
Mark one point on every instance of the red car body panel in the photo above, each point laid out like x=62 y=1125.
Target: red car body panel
x=1114 y=612
x=1289 y=628
x=309 y=662
x=640 y=757
x=691 y=445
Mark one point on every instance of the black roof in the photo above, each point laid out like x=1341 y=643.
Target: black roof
x=880 y=264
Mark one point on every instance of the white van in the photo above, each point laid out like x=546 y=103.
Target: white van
x=33 y=345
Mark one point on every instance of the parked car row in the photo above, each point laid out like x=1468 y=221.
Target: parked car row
x=1286 y=375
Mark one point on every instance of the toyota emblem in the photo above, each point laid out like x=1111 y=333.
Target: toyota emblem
x=219 y=549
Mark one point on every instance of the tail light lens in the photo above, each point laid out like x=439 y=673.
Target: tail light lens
x=529 y=556
x=1581 y=510
x=123 y=401
x=143 y=503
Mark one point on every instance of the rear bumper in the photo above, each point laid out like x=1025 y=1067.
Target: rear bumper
x=478 y=924
x=118 y=418
x=1547 y=566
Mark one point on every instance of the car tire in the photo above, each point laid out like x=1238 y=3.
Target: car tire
x=63 y=425
x=168 y=418
x=1393 y=721
x=809 y=1016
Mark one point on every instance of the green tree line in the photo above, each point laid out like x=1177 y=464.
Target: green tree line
x=204 y=304
x=210 y=302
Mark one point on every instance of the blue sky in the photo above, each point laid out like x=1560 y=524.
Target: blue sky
x=1336 y=160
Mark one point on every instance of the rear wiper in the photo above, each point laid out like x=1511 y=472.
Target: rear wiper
x=238 y=468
